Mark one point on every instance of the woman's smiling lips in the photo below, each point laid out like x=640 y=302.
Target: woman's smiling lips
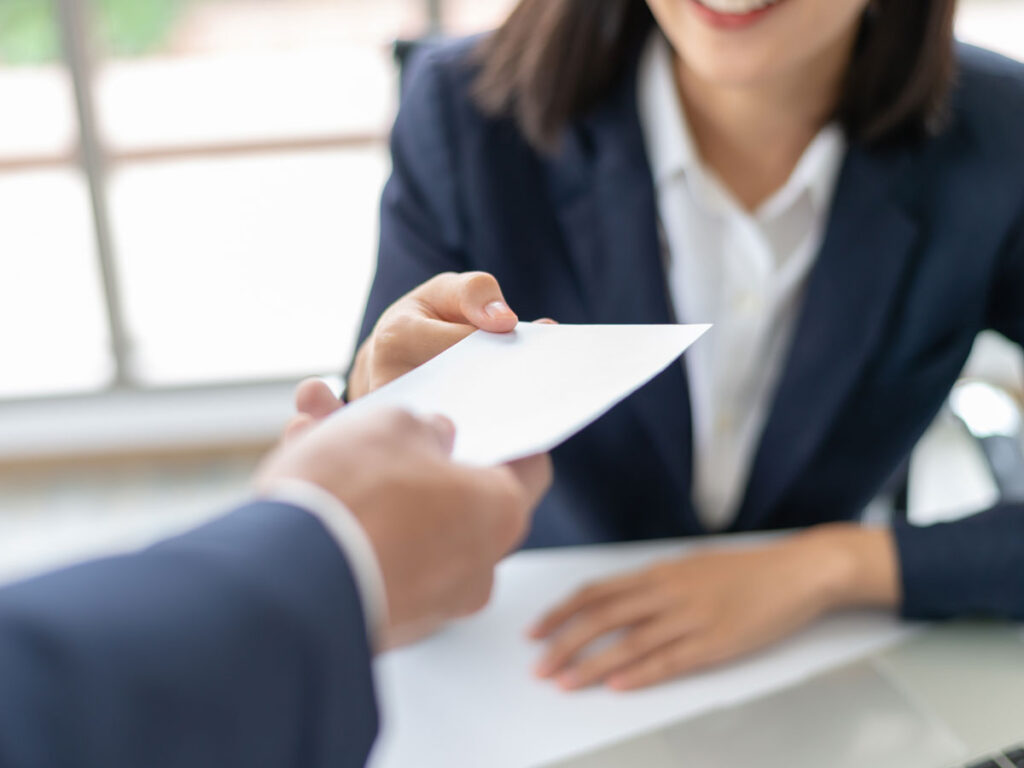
x=734 y=14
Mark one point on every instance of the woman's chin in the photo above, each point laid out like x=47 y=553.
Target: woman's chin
x=751 y=43
x=728 y=66
x=756 y=56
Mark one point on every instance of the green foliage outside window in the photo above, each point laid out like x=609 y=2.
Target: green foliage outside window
x=29 y=33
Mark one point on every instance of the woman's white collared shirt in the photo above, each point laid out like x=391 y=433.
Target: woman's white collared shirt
x=743 y=272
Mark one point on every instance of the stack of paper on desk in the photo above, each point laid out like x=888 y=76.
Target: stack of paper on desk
x=516 y=394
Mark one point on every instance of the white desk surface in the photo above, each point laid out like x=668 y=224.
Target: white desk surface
x=467 y=698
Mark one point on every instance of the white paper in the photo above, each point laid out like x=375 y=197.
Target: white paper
x=466 y=697
x=516 y=394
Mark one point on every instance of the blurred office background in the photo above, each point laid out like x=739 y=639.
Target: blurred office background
x=188 y=196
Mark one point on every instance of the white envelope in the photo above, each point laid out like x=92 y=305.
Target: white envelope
x=516 y=394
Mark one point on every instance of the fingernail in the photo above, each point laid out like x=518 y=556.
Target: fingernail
x=497 y=309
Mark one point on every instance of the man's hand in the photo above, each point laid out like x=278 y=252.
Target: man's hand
x=314 y=401
x=425 y=322
x=438 y=528
x=694 y=612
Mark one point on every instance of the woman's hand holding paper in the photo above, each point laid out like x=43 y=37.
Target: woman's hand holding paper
x=425 y=322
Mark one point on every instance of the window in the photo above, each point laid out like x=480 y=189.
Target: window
x=54 y=335
x=189 y=188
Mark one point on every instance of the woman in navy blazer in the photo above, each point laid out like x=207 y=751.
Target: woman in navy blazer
x=522 y=156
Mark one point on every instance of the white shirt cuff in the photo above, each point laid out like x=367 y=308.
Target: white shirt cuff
x=351 y=539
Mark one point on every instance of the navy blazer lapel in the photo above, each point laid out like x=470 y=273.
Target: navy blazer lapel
x=605 y=201
x=604 y=197
x=848 y=297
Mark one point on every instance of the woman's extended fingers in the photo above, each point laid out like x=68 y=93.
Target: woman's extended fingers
x=678 y=658
x=474 y=298
x=713 y=606
x=632 y=647
x=623 y=611
x=585 y=598
x=315 y=399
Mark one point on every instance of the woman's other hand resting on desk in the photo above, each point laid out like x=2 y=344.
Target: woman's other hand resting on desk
x=694 y=612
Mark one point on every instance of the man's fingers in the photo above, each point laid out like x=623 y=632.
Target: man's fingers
x=524 y=483
x=408 y=634
x=508 y=502
x=314 y=398
x=471 y=297
x=535 y=474
x=442 y=429
x=430 y=434
x=297 y=426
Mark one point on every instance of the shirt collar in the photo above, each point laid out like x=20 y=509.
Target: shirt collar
x=672 y=152
x=817 y=171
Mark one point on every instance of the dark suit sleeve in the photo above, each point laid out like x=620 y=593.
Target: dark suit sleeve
x=974 y=566
x=241 y=644
x=420 y=224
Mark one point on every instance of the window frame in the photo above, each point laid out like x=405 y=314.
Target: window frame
x=95 y=160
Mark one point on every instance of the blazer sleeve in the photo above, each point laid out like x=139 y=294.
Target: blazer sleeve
x=420 y=224
x=974 y=566
x=240 y=644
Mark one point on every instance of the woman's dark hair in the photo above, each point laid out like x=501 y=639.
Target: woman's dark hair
x=554 y=60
